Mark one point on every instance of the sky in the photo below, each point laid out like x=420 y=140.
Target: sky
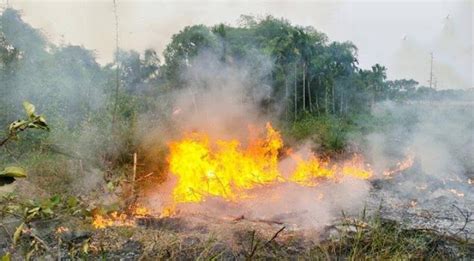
x=397 y=34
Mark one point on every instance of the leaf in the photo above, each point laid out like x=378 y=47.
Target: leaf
x=29 y=109
x=85 y=247
x=48 y=211
x=34 y=210
x=17 y=234
x=6 y=257
x=55 y=200
x=17 y=125
x=13 y=172
x=72 y=201
x=41 y=121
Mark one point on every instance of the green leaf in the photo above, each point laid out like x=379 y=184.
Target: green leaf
x=13 y=172
x=29 y=109
x=6 y=257
x=48 y=211
x=72 y=201
x=55 y=200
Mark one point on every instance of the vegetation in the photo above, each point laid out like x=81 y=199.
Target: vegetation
x=33 y=121
x=352 y=238
x=94 y=112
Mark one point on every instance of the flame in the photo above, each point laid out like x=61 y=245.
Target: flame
x=308 y=172
x=225 y=170
x=356 y=168
x=228 y=170
x=119 y=219
x=401 y=166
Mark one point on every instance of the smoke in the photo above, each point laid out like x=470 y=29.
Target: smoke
x=438 y=135
x=224 y=100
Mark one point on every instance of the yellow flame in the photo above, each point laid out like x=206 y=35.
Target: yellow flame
x=307 y=173
x=119 y=219
x=225 y=170
x=228 y=170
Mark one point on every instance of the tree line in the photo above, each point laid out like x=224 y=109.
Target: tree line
x=309 y=75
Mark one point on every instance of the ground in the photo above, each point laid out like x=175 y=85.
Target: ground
x=390 y=227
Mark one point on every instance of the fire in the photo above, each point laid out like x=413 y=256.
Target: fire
x=308 y=172
x=356 y=168
x=225 y=170
x=119 y=219
x=229 y=170
x=401 y=166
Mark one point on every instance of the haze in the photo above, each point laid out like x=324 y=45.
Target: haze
x=397 y=34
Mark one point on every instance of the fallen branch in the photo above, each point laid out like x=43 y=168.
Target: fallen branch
x=266 y=221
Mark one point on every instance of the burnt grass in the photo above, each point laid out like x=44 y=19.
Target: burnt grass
x=184 y=238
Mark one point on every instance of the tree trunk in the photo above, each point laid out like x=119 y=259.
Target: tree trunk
x=286 y=99
x=316 y=96
x=326 y=99
x=296 y=97
x=117 y=73
x=304 y=87
x=309 y=96
x=333 y=99
x=341 y=103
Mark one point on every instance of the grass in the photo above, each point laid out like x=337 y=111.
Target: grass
x=381 y=239
x=364 y=237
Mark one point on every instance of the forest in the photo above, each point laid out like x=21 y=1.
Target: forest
x=101 y=135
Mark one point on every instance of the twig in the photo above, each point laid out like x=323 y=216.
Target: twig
x=134 y=173
x=253 y=247
x=144 y=177
x=467 y=218
x=37 y=238
x=242 y=217
x=6 y=230
x=4 y=141
x=274 y=236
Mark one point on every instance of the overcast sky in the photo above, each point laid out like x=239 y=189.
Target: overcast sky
x=397 y=34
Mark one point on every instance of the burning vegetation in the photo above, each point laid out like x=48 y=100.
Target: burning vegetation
x=180 y=159
x=200 y=169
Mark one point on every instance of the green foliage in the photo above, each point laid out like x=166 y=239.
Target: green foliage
x=33 y=122
x=329 y=132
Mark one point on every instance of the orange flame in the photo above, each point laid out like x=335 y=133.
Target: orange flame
x=225 y=170
x=401 y=166
x=228 y=170
x=119 y=219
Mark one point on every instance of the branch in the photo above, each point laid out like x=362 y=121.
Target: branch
x=4 y=141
